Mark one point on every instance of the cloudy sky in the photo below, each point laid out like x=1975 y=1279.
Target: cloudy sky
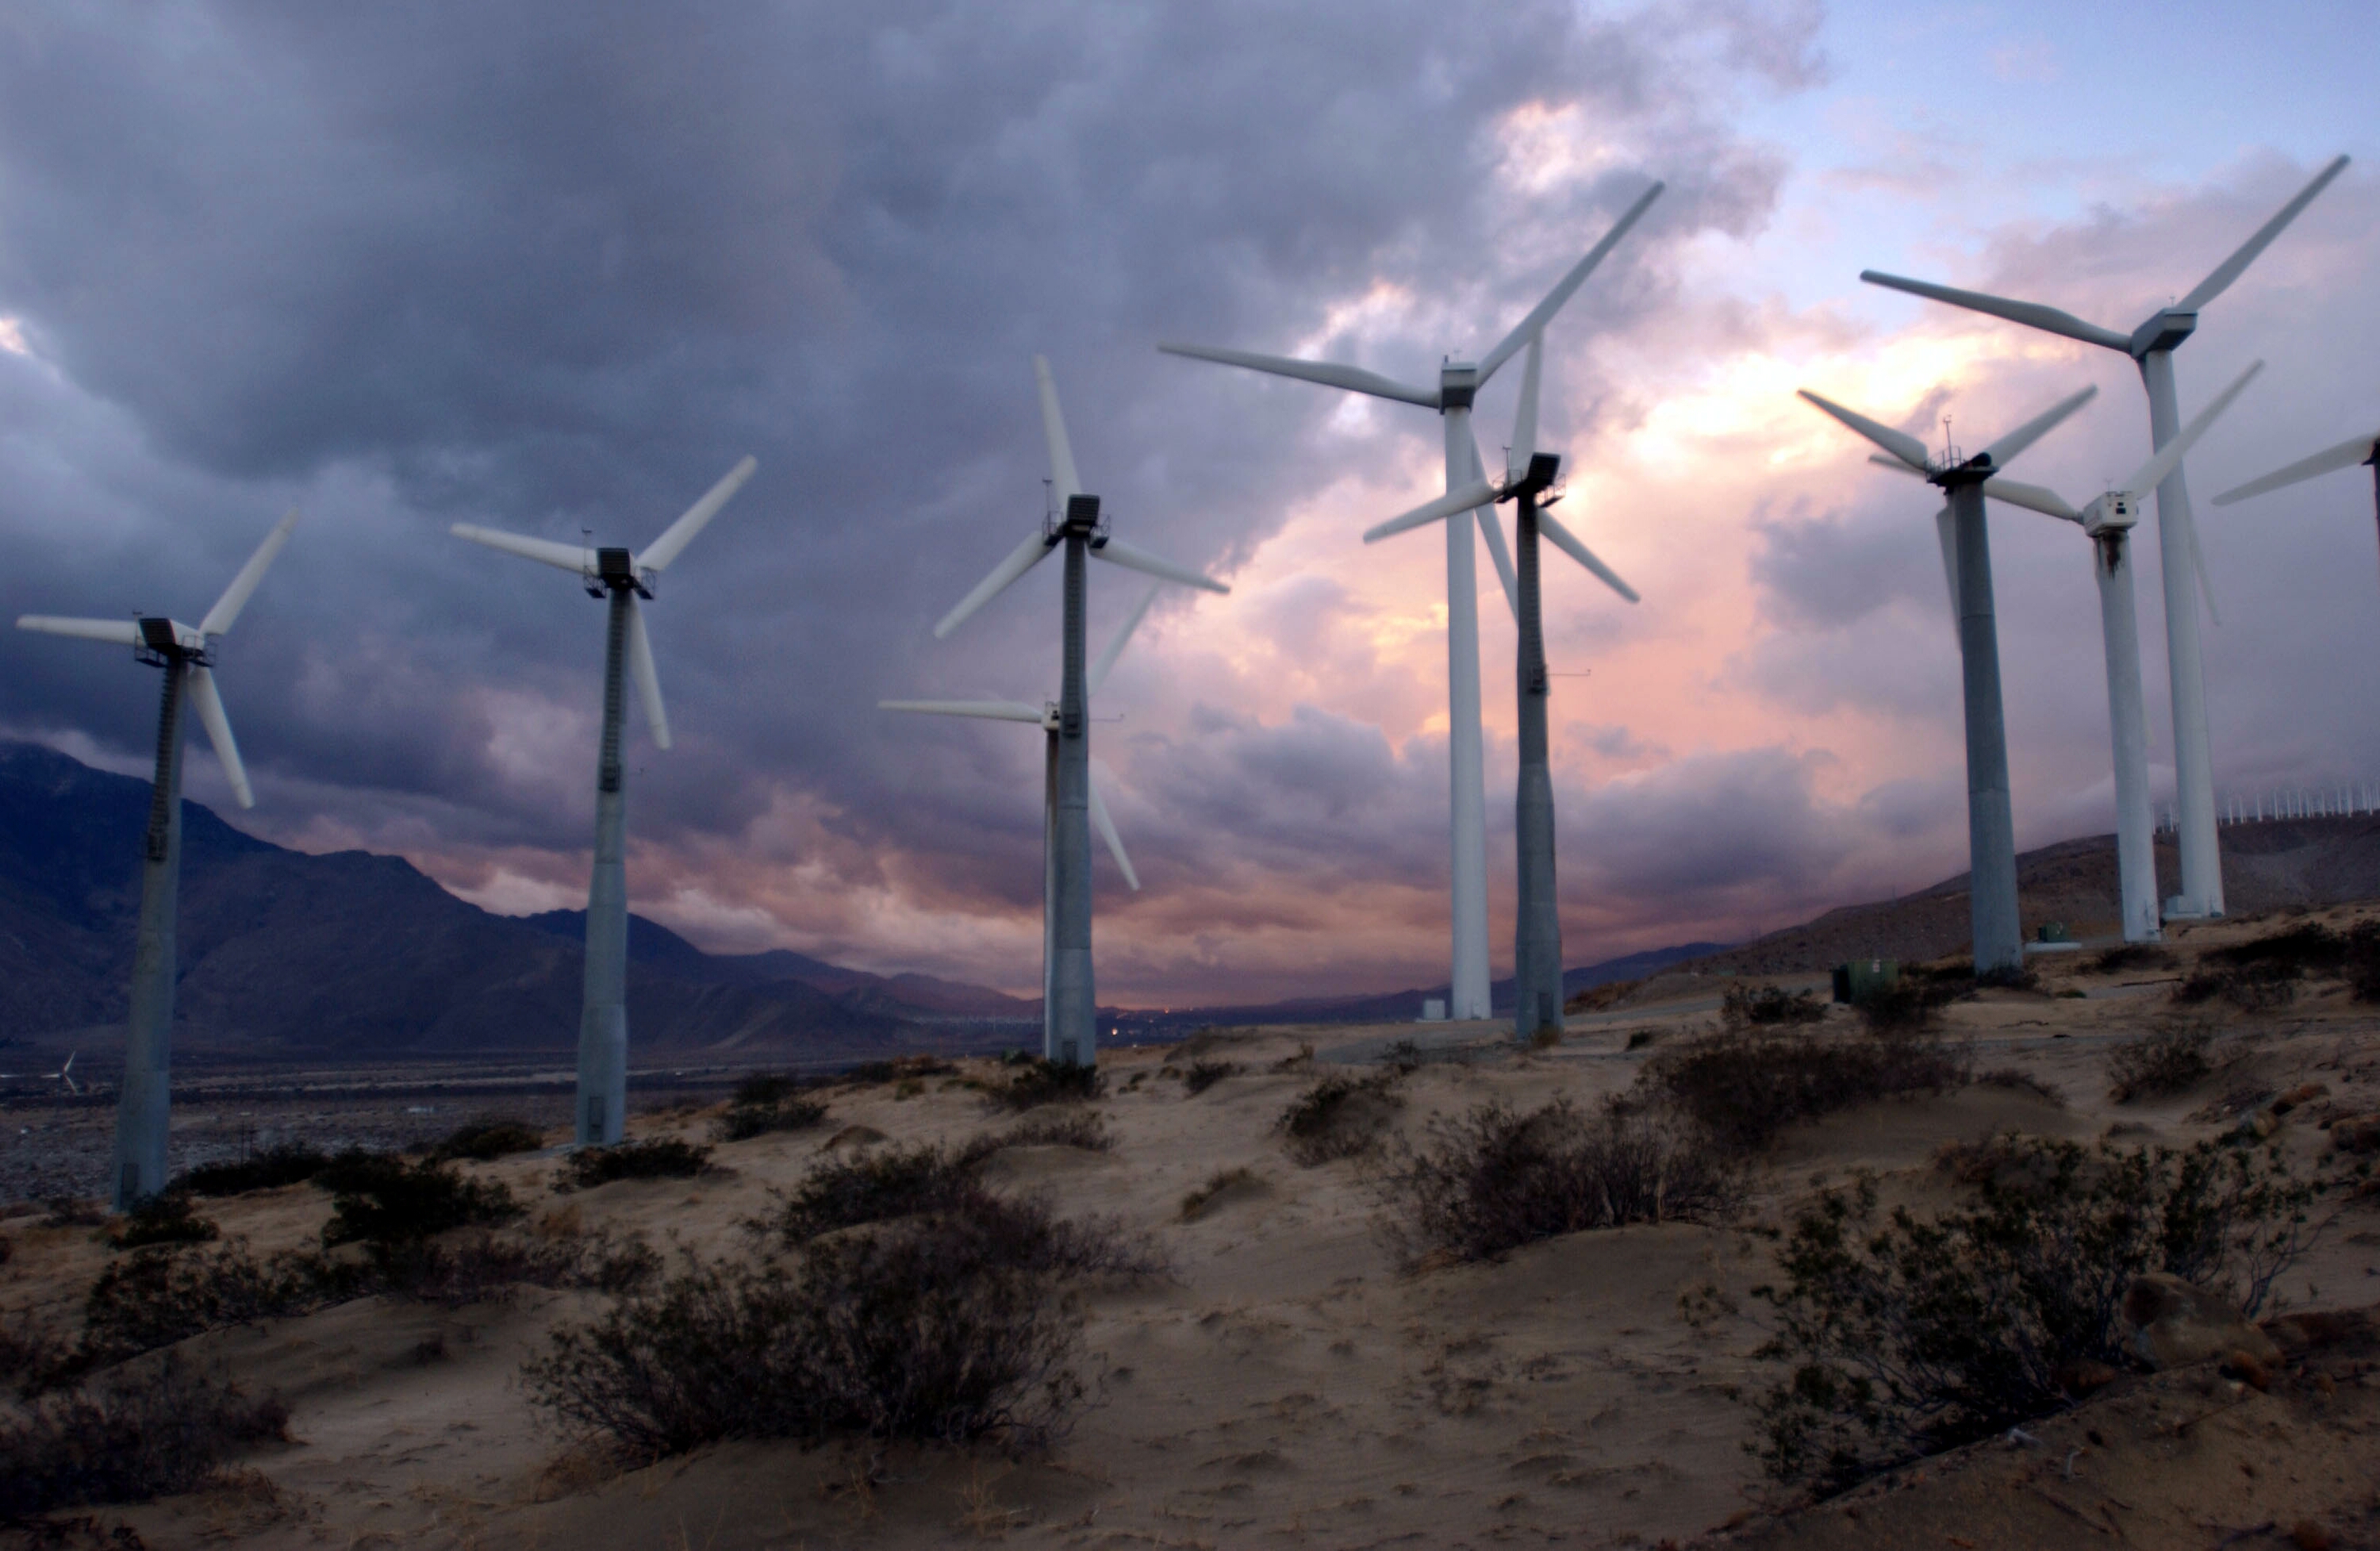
x=554 y=268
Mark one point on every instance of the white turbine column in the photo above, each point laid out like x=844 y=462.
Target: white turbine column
x=1465 y=756
x=1049 y=893
x=2127 y=727
x=1073 y=1027
x=1536 y=930
x=603 y=1016
x=2193 y=758
x=1991 y=824
x=143 y=1105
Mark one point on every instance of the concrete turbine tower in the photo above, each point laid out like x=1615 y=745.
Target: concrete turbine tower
x=186 y=655
x=1047 y=717
x=2109 y=522
x=1070 y=1009
x=2364 y=449
x=1528 y=479
x=2151 y=345
x=1458 y=383
x=1991 y=823
x=620 y=579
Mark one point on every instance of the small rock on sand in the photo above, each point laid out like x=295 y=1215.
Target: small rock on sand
x=2174 y=1324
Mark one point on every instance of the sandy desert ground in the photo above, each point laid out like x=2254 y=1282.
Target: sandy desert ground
x=1289 y=1385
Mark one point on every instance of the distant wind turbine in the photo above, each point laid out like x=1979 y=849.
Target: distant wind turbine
x=1070 y=1009
x=620 y=578
x=2151 y=345
x=186 y=655
x=1528 y=477
x=2364 y=449
x=1998 y=932
x=1458 y=383
x=1046 y=717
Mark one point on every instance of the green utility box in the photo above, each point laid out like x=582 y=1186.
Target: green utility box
x=2052 y=931
x=1856 y=980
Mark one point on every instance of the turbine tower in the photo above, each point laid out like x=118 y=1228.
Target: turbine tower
x=620 y=579
x=1999 y=931
x=1458 y=383
x=2151 y=346
x=1046 y=717
x=2108 y=521
x=186 y=654
x=1070 y=1008
x=1528 y=477
x=2364 y=449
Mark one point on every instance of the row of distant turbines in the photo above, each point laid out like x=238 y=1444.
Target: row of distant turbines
x=1074 y=527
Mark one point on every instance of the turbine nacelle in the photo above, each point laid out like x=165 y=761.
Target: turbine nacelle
x=2162 y=331
x=166 y=640
x=611 y=569
x=1458 y=384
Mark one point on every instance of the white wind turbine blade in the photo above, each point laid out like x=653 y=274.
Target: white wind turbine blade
x=1525 y=421
x=1108 y=831
x=1117 y=553
x=2032 y=314
x=1020 y=560
x=1067 y=482
x=2148 y=476
x=1114 y=648
x=679 y=534
x=65 y=1072
x=2034 y=498
x=2355 y=450
x=1568 y=544
x=210 y=713
x=234 y=597
x=1900 y=444
x=1477 y=493
x=2005 y=451
x=988 y=710
x=647 y=680
x=2197 y=557
x=116 y=632
x=1330 y=374
x=574 y=558
x=1542 y=314
x=1492 y=527
x=1946 y=530
x=2214 y=284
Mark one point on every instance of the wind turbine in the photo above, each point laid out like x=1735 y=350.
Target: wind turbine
x=1998 y=933
x=186 y=654
x=1528 y=477
x=1458 y=383
x=1046 y=717
x=2108 y=521
x=1070 y=1009
x=63 y=1074
x=620 y=578
x=2354 y=450
x=2151 y=346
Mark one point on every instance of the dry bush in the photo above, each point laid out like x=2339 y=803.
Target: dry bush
x=1339 y=1116
x=1909 y=1005
x=288 y=1163
x=761 y=1089
x=2131 y=956
x=661 y=1158
x=2362 y=967
x=1761 y=1006
x=488 y=1138
x=383 y=1200
x=1483 y=1185
x=140 y=1435
x=73 y=1211
x=1743 y=1086
x=899 y=1069
x=2255 y=987
x=1084 y=1129
x=2158 y=1064
x=1200 y=1075
x=1907 y=1336
x=2016 y=1079
x=1221 y=1183
x=155 y=1298
x=163 y=1218
x=479 y=1267
x=1034 y=1083
x=744 y=1121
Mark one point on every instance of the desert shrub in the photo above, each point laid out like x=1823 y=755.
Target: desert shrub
x=1032 y=1084
x=2257 y=986
x=489 y=1138
x=2131 y=956
x=1339 y=1116
x=383 y=1202
x=1760 y=1006
x=1743 y=1086
x=1908 y=1005
x=878 y=1187
x=1223 y=1181
x=73 y=1211
x=921 y=1333
x=2362 y=964
x=2016 y=1079
x=1083 y=1129
x=1907 y=1336
x=479 y=1267
x=288 y=1163
x=1200 y=1075
x=2159 y=1064
x=2009 y=978
x=744 y=1121
x=764 y=1088
x=163 y=1218
x=138 y=1435
x=1483 y=1185
x=869 y=1074
x=157 y=1297
x=2310 y=949
x=664 y=1157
